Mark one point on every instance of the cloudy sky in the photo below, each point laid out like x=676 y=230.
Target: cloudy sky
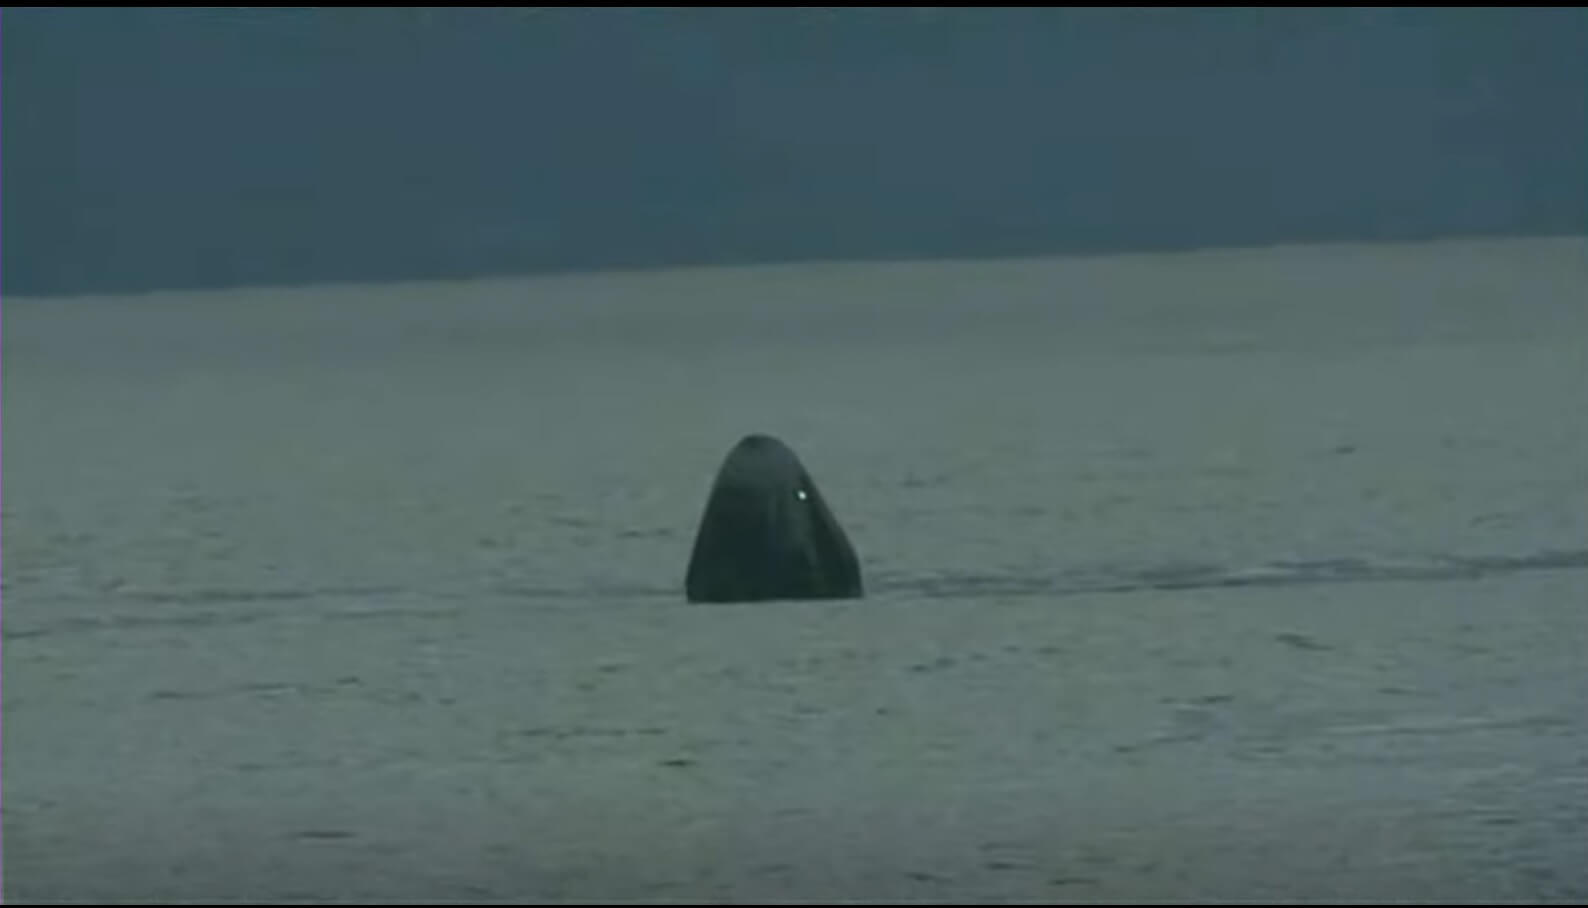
x=162 y=148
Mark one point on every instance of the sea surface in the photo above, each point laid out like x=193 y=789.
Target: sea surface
x=1032 y=428
x=1037 y=434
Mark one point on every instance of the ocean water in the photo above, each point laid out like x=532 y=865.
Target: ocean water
x=1020 y=428
x=1230 y=575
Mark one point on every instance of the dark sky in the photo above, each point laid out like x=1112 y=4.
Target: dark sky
x=163 y=148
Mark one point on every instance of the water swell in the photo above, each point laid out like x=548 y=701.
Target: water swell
x=1201 y=576
x=211 y=608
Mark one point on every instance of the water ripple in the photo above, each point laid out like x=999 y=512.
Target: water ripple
x=208 y=608
x=1197 y=576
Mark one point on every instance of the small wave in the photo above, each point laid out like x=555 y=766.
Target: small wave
x=596 y=591
x=212 y=608
x=207 y=607
x=211 y=619
x=1196 y=576
x=222 y=596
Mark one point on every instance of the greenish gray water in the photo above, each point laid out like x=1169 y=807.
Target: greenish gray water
x=994 y=436
x=1013 y=427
